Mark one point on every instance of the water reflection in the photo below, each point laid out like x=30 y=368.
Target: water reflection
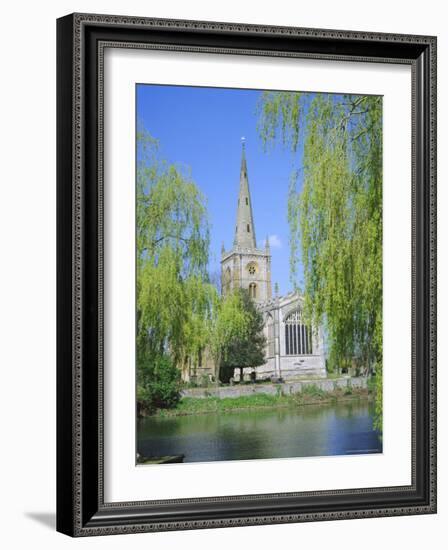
x=344 y=428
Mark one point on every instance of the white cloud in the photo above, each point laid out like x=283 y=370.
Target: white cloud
x=274 y=241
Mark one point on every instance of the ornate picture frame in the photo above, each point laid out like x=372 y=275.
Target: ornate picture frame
x=81 y=506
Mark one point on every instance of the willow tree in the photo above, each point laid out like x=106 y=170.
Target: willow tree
x=173 y=294
x=335 y=215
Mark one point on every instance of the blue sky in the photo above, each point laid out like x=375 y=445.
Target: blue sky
x=202 y=128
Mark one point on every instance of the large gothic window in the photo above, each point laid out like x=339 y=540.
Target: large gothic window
x=298 y=338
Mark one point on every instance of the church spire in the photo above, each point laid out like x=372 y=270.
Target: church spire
x=245 y=230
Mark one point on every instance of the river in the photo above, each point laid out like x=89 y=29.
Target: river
x=310 y=430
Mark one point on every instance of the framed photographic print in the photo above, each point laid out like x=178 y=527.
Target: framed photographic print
x=246 y=274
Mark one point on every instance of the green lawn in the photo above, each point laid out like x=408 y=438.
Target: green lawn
x=309 y=395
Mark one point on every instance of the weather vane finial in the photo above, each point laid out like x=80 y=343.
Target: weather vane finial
x=243 y=140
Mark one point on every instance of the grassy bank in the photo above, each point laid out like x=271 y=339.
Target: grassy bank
x=308 y=396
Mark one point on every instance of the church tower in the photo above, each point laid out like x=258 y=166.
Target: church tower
x=244 y=265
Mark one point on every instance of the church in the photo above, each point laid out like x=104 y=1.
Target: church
x=293 y=349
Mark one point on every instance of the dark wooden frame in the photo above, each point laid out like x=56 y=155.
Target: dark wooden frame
x=81 y=510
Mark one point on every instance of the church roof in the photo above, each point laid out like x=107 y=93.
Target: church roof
x=293 y=297
x=245 y=228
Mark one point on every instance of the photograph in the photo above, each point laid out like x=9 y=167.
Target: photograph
x=259 y=274
x=223 y=237
x=246 y=273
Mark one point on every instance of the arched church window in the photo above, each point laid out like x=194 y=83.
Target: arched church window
x=253 y=291
x=247 y=201
x=248 y=228
x=298 y=337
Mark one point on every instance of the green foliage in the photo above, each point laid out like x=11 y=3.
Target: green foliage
x=174 y=297
x=378 y=422
x=179 y=310
x=158 y=382
x=312 y=390
x=195 y=405
x=371 y=384
x=335 y=218
x=230 y=322
x=247 y=348
x=309 y=395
